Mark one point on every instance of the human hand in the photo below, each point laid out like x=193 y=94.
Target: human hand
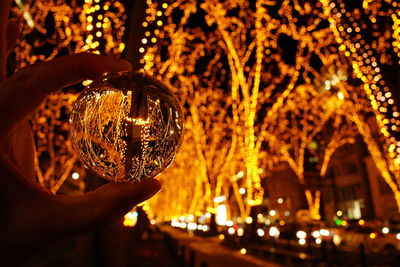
x=31 y=217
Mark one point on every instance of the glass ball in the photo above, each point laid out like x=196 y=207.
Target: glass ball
x=126 y=126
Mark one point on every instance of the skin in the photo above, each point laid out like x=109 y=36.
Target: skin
x=31 y=217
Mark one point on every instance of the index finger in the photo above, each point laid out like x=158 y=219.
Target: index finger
x=24 y=91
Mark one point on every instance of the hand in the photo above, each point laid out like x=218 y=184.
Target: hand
x=31 y=217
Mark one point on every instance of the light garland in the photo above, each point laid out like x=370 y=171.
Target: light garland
x=242 y=90
x=365 y=64
x=73 y=29
x=277 y=103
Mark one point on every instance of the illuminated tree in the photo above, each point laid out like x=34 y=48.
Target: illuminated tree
x=209 y=141
x=284 y=65
x=259 y=81
x=55 y=28
x=344 y=132
x=371 y=43
x=294 y=127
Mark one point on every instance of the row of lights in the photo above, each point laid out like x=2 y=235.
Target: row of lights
x=301 y=235
x=396 y=29
x=191 y=226
x=274 y=232
x=101 y=24
x=152 y=15
x=365 y=65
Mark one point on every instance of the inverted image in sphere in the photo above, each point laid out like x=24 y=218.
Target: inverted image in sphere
x=126 y=126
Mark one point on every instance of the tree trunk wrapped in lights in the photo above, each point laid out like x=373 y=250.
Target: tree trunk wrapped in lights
x=295 y=126
x=353 y=28
x=284 y=66
x=236 y=65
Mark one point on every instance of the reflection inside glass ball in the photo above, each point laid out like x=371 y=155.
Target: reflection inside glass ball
x=126 y=126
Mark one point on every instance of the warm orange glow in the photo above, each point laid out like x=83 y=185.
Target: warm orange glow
x=49 y=124
x=296 y=103
x=249 y=106
x=130 y=219
x=365 y=67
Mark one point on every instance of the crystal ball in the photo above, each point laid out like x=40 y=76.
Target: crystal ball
x=126 y=126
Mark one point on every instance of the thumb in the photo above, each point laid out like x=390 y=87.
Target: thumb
x=82 y=213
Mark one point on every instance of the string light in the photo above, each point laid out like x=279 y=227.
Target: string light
x=255 y=123
x=278 y=101
x=365 y=66
x=152 y=13
x=75 y=32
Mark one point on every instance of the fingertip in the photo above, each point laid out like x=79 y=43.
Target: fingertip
x=145 y=190
x=109 y=61
x=132 y=193
x=152 y=182
x=119 y=64
x=103 y=64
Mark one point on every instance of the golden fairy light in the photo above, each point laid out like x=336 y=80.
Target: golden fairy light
x=366 y=58
x=269 y=78
x=260 y=84
x=54 y=28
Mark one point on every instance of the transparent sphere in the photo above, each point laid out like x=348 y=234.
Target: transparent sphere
x=126 y=126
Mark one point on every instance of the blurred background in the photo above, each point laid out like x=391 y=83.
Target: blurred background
x=291 y=150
